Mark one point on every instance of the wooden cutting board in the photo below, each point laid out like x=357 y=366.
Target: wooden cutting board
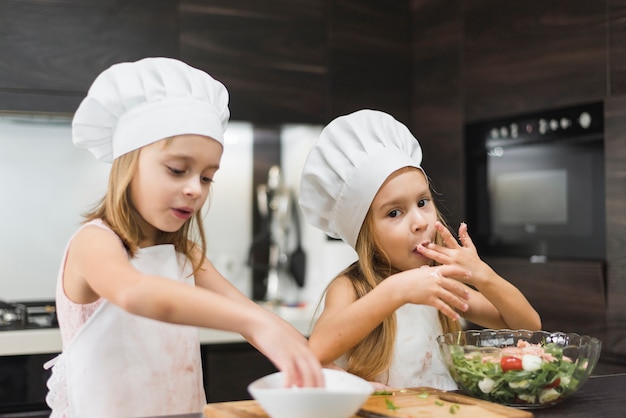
x=408 y=403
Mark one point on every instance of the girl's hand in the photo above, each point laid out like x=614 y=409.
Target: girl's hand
x=381 y=387
x=463 y=255
x=496 y=303
x=288 y=350
x=440 y=287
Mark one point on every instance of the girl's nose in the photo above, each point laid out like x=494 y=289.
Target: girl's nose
x=193 y=187
x=419 y=221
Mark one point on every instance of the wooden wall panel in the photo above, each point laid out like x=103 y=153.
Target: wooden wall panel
x=615 y=169
x=436 y=112
x=369 y=44
x=570 y=296
x=617 y=47
x=55 y=48
x=529 y=55
x=272 y=56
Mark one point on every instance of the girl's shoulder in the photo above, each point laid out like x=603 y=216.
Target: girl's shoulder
x=341 y=287
x=339 y=294
x=96 y=222
x=95 y=229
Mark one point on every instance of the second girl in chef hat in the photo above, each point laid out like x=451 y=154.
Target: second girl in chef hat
x=363 y=182
x=133 y=278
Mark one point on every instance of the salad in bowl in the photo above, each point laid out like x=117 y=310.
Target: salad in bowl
x=527 y=369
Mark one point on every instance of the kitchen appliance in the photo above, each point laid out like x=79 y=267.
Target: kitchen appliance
x=297 y=259
x=535 y=184
x=27 y=315
x=12 y=315
x=22 y=377
x=285 y=267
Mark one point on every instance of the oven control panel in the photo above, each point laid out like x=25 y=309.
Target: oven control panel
x=582 y=120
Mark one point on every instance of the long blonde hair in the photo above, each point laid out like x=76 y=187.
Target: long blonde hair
x=372 y=356
x=118 y=212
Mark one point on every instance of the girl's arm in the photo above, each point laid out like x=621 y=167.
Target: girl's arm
x=98 y=266
x=346 y=320
x=210 y=278
x=498 y=303
x=277 y=334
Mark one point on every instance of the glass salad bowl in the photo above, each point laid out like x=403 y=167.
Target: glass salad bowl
x=520 y=368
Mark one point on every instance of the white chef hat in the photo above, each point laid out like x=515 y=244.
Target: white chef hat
x=133 y=104
x=347 y=165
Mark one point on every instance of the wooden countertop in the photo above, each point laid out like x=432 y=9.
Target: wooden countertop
x=413 y=402
x=601 y=396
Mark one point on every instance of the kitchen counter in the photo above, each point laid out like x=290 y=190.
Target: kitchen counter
x=600 y=396
x=48 y=340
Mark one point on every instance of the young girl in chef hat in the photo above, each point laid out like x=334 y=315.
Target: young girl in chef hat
x=362 y=182
x=133 y=280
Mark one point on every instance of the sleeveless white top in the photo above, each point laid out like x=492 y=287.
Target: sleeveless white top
x=123 y=365
x=416 y=358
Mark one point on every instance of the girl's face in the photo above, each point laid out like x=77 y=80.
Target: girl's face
x=172 y=181
x=404 y=215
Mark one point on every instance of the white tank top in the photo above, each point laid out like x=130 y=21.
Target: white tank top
x=123 y=365
x=416 y=358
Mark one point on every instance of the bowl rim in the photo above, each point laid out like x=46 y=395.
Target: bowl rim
x=441 y=337
x=360 y=386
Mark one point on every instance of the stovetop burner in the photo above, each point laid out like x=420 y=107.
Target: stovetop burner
x=27 y=315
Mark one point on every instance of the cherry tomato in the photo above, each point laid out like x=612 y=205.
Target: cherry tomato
x=556 y=382
x=510 y=363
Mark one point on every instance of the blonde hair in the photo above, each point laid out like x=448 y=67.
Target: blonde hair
x=372 y=356
x=118 y=212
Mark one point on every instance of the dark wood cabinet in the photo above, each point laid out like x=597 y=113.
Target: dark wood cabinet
x=230 y=368
x=530 y=55
x=369 y=49
x=272 y=56
x=615 y=169
x=285 y=61
x=53 y=49
x=570 y=296
x=304 y=61
x=617 y=47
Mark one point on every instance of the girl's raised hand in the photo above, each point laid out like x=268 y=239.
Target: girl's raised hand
x=463 y=255
x=441 y=287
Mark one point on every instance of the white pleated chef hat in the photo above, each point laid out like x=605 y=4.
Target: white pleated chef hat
x=133 y=104
x=346 y=167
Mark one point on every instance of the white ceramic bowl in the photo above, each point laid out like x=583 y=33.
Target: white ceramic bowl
x=342 y=396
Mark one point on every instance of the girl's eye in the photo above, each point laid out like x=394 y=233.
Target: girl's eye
x=394 y=213
x=422 y=202
x=206 y=180
x=175 y=171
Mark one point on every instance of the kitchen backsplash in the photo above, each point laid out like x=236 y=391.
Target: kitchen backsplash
x=47 y=183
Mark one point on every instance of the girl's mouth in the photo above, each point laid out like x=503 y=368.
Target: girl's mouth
x=182 y=213
x=416 y=251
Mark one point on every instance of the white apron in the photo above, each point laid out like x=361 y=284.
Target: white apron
x=124 y=365
x=416 y=358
